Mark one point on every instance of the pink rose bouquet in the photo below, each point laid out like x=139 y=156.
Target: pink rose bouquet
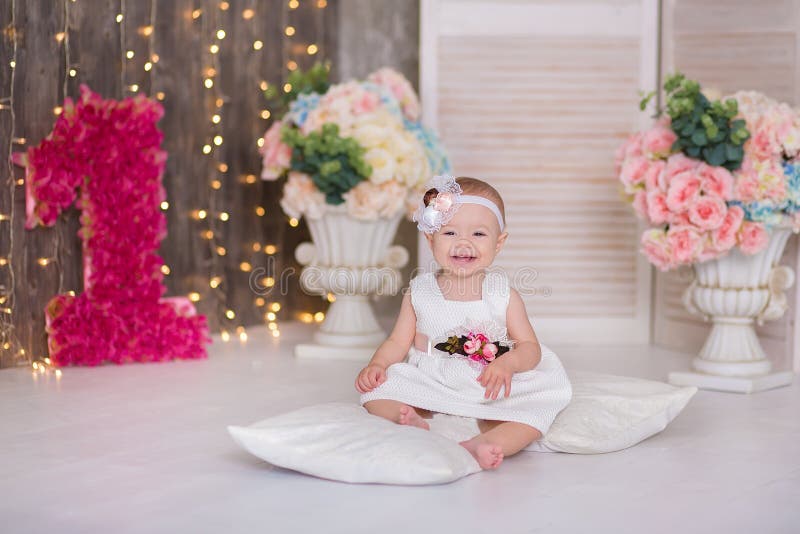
x=709 y=177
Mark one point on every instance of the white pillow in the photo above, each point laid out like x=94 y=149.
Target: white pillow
x=344 y=442
x=610 y=413
x=341 y=441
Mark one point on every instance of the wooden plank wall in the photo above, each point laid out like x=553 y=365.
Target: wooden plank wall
x=49 y=37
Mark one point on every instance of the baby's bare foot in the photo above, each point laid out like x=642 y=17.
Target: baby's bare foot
x=410 y=417
x=488 y=455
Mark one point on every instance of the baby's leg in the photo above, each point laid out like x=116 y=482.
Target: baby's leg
x=396 y=411
x=499 y=439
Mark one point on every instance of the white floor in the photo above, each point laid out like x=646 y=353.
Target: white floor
x=143 y=448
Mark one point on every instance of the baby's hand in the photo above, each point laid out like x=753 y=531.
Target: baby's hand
x=496 y=374
x=370 y=377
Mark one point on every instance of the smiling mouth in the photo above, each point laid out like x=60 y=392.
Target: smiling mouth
x=462 y=259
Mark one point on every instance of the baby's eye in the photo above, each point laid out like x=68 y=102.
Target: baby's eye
x=479 y=233
x=449 y=232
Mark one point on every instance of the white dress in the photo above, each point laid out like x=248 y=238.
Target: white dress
x=437 y=381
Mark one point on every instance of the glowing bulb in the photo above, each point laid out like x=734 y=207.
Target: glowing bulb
x=293 y=222
x=57 y=110
x=147 y=31
x=268 y=281
x=225 y=336
x=43 y=262
x=213 y=49
x=312 y=49
x=216 y=118
x=229 y=314
x=221 y=251
x=269 y=249
x=291 y=65
x=276 y=307
x=165 y=205
x=263 y=85
x=259 y=301
x=196 y=13
x=224 y=6
x=72 y=72
x=215 y=282
x=250 y=179
x=119 y=18
x=216 y=184
x=134 y=88
x=223 y=167
x=248 y=14
x=260 y=142
x=258 y=45
x=154 y=58
x=13 y=64
x=224 y=216
x=289 y=30
x=58 y=373
x=148 y=66
x=165 y=269
x=331 y=297
x=217 y=140
x=243 y=337
x=209 y=83
x=206 y=149
x=60 y=36
x=194 y=296
x=245 y=266
x=293 y=4
x=319 y=317
x=220 y=34
x=129 y=54
x=306 y=317
x=201 y=214
x=276 y=333
x=260 y=211
x=272 y=326
x=322 y=3
x=219 y=102
x=287 y=87
x=270 y=316
x=160 y=95
x=207 y=234
x=265 y=113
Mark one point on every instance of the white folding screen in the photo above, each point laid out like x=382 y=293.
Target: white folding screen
x=535 y=97
x=728 y=46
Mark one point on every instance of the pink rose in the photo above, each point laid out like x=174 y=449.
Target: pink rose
x=443 y=201
x=654 y=177
x=633 y=172
x=489 y=351
x=657 y=142
x=655 y=247
x=684 y=243
x=275 y=153
x=724 y=237
x=707 y=212
x=365 y=103
x=715 y=181
x=657 y=208
x=631 y=148
x=753 y=237
x=764 y=142
x=683 y=188
x=471 y=346
x=640 y=204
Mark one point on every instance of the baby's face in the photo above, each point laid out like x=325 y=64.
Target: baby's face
x=469 y=242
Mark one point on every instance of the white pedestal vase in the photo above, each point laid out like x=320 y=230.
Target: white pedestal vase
x=353 y=260
x=734 y=292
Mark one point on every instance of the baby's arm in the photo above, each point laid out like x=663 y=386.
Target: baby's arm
x=526 y=354
x=391 y=351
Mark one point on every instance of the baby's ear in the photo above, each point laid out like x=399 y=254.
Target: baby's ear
x=501 y=240
x=429 y=237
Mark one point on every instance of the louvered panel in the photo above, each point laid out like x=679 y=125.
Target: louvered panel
x=538 y=111
x=738 y=44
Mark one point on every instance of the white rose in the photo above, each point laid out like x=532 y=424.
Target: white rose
x=383 y=164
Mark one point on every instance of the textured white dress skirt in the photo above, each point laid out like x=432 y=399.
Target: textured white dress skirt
x=437 y=381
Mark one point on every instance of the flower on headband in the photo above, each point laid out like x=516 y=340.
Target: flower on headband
x=441 y=208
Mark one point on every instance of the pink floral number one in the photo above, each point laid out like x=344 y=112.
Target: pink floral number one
x=110 y=151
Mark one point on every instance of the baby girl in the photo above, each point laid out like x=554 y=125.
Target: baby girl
x=471 y=349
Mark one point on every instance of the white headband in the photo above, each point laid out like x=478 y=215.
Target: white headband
x=444 y=205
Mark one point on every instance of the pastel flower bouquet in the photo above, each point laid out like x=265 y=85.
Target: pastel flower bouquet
x=710 y=176
x=358 y=143
x=479 y=342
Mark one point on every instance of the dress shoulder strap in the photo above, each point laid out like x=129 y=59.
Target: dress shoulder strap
x=498 y=291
